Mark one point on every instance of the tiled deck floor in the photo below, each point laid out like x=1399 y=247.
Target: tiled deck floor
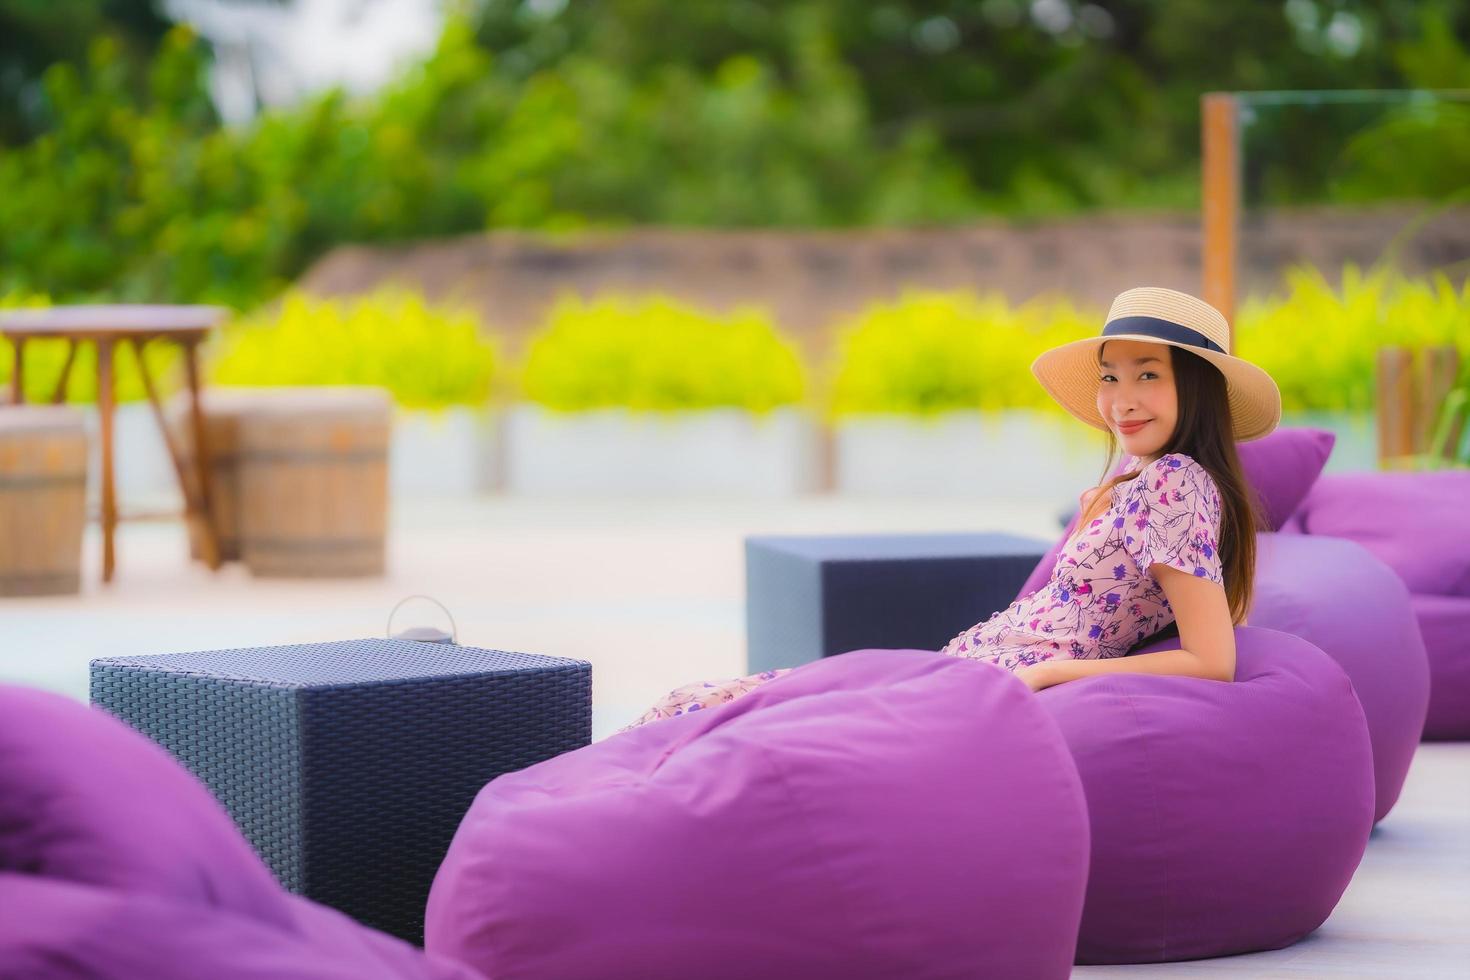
x=652 y=595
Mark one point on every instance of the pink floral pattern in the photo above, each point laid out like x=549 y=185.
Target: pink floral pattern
x=1101 y=598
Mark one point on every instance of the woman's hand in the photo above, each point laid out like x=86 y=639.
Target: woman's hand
x=1037 y=676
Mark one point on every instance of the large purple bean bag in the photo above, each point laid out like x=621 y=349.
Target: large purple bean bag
x=116 y=862
x=1444 y=621
x=880 y=813
x=1226 y=818
x=1416 y=524
x=53 y=929
x=1344 y=600
x=1339 y=597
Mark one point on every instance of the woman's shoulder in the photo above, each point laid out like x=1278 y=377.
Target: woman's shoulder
x=1174 y=464
x=1174 y=471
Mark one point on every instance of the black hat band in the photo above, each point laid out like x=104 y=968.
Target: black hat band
x=1163 y=329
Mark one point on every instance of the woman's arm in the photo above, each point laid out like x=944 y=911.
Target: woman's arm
x=1206 y=634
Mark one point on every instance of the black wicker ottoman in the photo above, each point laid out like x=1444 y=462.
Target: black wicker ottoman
x=811 y=597
x=349 y=765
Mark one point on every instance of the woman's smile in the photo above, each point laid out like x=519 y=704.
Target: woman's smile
x=1128 y=428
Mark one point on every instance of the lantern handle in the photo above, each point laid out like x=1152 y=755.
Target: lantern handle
x=453 y=627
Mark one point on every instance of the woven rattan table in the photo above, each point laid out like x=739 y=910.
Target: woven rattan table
x=349 y=765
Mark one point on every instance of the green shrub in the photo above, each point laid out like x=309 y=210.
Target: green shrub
x=654 y=354
x=427 y=356
x=19 y=299
x=937 y=352
x=1321 y=343
x=933 y=352
x=926 y=353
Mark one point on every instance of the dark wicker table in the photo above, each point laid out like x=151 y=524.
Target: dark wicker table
x=349 y=765
x=809 y=597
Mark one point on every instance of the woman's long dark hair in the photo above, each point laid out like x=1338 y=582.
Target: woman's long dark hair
x=1205 y=433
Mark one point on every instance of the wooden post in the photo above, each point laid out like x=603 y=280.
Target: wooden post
x=201 y=524
x=17 y=372
x=1439 y=367
x=202 y=506
x=105 y=402
x=1220 y=200
x=1395 y=408
x=58 y=397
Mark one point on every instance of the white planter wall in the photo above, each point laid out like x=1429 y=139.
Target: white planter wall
x=1018 y=455
x=450 y=453
x=614 y=452
x=456 y=453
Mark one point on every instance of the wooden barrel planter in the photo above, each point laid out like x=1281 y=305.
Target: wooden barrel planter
x=313 y=482
x=43 y=499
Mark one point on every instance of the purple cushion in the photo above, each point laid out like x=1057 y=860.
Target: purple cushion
x=1283 y=467
x=1414 y=522
x=108 y=934
x=1444 y=621
x=86 y=799
x=878 y=813
x=115 y=861
x=1226 y=818
x=1337 y=596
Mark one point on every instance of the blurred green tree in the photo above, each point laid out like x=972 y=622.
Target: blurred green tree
x=35 y=34
x=119 y=181
x=1045 y=105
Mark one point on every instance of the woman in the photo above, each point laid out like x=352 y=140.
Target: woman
x=1168 y=545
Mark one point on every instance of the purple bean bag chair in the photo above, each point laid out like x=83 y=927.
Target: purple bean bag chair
x=880 y=813
x=1444 y=621
x=116 y=862
x=1226 y=818
x=1416 y=524
x=1339 y=597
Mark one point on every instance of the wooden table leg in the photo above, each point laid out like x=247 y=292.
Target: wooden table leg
x=17 y=372
x=194 y=514
x=205 y=500
x=105 y=401
x=59 y=395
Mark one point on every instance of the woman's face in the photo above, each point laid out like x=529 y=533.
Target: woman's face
x=1136 y=385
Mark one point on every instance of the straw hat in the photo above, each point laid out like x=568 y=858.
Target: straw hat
x=1069 y=373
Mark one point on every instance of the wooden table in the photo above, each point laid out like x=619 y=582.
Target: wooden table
x=110 y=327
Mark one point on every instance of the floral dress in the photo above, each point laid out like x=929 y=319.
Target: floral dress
x=1101 y=598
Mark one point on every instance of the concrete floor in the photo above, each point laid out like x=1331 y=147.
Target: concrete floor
x=652 y=593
